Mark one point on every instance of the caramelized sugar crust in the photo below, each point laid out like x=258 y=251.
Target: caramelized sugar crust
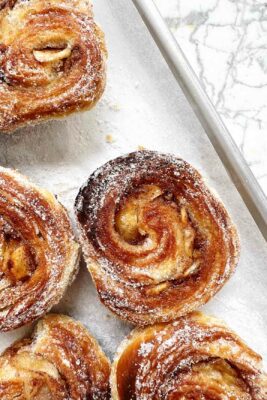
x=196 y=357
x=38 y=254
x=52 y=60
x=158 y=243
x=60 y=361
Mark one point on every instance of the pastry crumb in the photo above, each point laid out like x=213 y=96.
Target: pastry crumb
x=109 y=139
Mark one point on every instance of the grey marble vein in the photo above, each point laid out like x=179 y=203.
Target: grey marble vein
x=226 y=43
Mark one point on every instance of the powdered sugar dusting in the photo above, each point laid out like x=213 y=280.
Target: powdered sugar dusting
x=145 y=282
x=42 y=230
x=60 y=361
x=153 y=112
x=194 y=356
x=69 y=81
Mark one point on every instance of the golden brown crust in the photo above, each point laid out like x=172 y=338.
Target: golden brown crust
x=195 y=357
x=158 y=243
x=61 y=361
x=52 y=60
x=38 y=254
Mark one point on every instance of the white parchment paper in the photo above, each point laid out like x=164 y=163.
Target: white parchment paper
x=142 y=106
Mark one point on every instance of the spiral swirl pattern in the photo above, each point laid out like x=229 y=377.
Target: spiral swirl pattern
x=61 y=361
x=157 y=242
x=38 y=254
x=52 y=60
x=196 y=357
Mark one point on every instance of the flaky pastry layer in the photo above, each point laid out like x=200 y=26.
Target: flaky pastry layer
x=195 y=357
x=60 y=361
x=52 y=60
x=157 y=241
x=38 y=253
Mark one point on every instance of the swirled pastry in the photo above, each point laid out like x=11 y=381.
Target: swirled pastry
x=157 y=242
x=38 y=254
x=61 y=361
x=195 y=357
x=52 y=60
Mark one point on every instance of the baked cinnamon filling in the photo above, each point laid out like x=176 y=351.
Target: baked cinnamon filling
x=142 y=218
x=30 y=375
x=7 y=3
x=43 y=62
x=17 y=259
x=212 y=380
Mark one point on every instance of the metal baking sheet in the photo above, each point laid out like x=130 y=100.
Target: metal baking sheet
x=142 y=106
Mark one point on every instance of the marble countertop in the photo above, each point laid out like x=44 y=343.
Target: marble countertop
x=226 y=43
